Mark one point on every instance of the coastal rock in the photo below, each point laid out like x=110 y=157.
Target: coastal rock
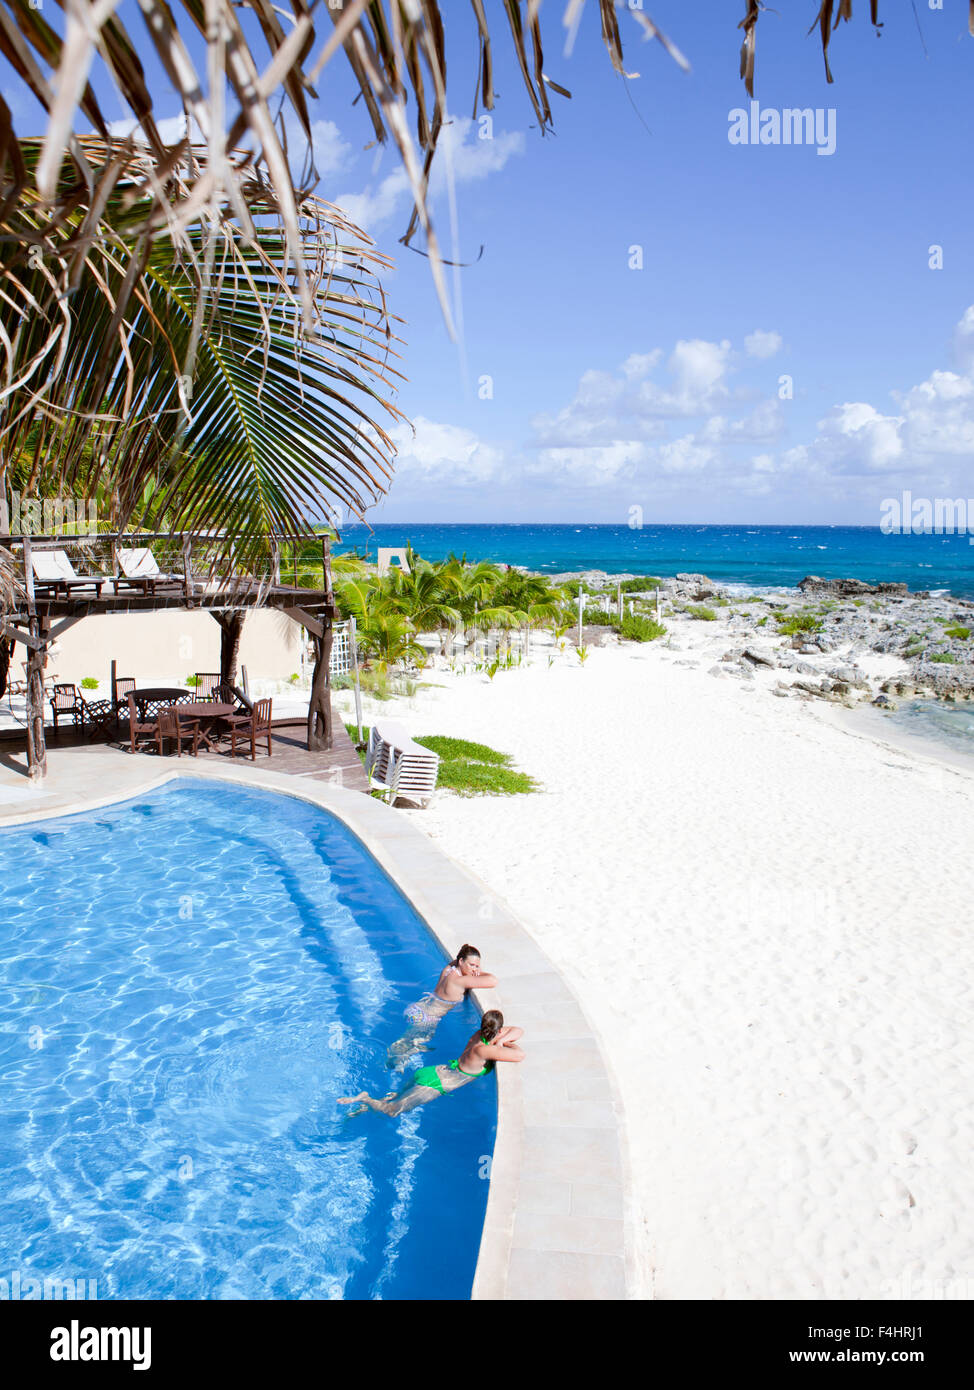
x=845 y=588
x=758 y=658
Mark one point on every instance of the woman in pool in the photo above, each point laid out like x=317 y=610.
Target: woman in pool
x=491 y=1043
x=461 y=974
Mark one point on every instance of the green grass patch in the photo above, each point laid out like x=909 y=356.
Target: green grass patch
x=701 y=612
x=961 y=633
x=945 y=658
x=455 y=748
x=470 y=769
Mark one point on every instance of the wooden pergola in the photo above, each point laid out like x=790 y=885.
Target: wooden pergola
x=198 y=571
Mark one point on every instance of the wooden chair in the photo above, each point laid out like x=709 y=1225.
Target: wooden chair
x=67 y=702
x=206 y=685
x=170 y=726
x=140 y=725
x=253 y=726
x=227 y=694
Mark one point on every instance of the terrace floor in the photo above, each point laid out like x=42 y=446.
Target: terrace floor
x=340 y=766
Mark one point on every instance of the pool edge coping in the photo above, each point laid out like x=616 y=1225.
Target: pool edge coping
x=551 y=1262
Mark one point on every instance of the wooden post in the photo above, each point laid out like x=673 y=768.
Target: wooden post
x=581 y=610
x=319 y=705
x=187 y=566
x=353 y=644
x=231 y=627
x=114 y=687
x=36 y=745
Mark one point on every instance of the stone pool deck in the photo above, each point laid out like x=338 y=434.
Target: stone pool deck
x=557 y=1224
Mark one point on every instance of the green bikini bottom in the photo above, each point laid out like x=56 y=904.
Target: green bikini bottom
x=429 y=1076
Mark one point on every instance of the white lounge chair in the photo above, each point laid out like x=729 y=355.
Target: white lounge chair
x=397 y=766
x=54 y=572
x=139 y=566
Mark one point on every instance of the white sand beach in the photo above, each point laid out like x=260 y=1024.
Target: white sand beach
x=766 y=916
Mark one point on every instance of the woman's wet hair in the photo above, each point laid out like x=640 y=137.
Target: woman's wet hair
x=464 y=953
x=491 y=1024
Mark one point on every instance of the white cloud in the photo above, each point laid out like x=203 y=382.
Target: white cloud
x=444 y=452
x=762 y=344
x=460 y=150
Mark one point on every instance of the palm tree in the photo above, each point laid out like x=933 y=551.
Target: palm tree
x=271 y=426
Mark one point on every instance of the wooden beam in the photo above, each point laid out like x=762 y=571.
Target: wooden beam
x=63 y=626
x=15 y=634
x=300 y=616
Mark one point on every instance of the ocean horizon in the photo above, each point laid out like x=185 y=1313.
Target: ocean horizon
x=754 y=557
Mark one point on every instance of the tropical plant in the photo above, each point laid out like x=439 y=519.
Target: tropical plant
x=637 y=629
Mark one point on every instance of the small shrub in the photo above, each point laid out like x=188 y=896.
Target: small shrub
x=946 y=658
x=191 y=681
x=89 y=683
x=914 y=649
x=582 y=654
x=798 y=622
x=958 y=632
x=599 y=617
x=639 y=629
x=294 y=678
x=701 y=612
x=761 y=621
x=641 y=584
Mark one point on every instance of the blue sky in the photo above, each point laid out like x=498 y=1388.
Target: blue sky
x=661 y=387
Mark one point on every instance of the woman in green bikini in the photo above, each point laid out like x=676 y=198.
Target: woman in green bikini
x=491 y=1043
x=462 y=974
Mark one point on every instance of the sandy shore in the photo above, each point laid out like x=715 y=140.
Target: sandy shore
x=766 y=915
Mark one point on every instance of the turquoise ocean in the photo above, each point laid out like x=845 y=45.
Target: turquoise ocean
x=759 y=557
x=751 y=557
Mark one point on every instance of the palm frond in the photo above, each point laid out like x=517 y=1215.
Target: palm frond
x=275 y=424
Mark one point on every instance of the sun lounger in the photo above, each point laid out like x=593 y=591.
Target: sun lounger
x=54 y=573
x=397 y=766
x=141 y=570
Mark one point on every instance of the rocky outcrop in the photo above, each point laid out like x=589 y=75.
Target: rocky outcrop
x=847 y=588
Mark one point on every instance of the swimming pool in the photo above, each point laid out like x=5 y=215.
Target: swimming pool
x=188 y=980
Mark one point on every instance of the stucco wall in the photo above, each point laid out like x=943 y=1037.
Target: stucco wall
x=156 y=648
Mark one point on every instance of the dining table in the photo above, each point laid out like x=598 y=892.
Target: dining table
x=208 y=715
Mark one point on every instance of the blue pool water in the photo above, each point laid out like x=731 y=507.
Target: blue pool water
x=187 y=982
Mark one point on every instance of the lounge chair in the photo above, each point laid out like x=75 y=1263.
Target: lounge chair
x=397 y=766
x=251 y=727
x=140 y=568
x=54 y=574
